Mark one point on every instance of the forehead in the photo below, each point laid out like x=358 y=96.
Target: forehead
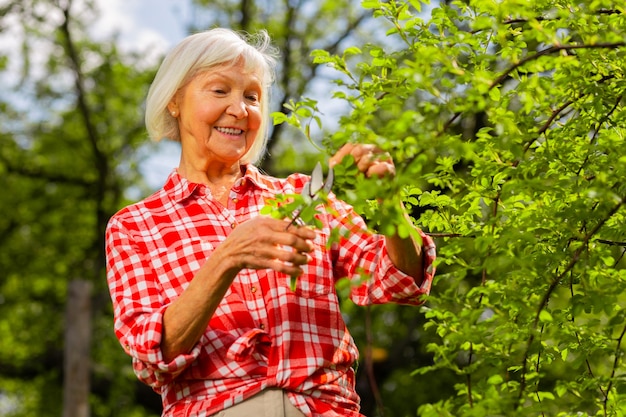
x=231 y=71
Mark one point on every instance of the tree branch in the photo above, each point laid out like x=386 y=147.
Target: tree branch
x=40 y=173
x=543 y=19
x=604 y=119
x=81 y=97
x=305 y=50
x=548 y=51
x=552 y=287
x=617 y=355
x=245 y=15
x=369 y=362
x=576 y=333
x=529 y=58
x=100 y=158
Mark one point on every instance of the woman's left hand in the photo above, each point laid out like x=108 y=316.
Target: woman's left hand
x=405 y=253
x=370 y=159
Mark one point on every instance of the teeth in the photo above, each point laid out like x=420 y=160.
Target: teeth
x=230 y=131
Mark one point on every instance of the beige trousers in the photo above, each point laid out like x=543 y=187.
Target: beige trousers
x=269 y=403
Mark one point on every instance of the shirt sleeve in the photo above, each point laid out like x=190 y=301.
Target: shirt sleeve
x=138 y=307
x=362 y=257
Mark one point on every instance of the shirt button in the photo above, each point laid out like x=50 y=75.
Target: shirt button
x=262 y=326
x=235 y=200
x=253 y=289
x=233 y=225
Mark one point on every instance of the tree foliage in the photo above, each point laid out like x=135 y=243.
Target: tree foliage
x=507 y=123
x=71 y=131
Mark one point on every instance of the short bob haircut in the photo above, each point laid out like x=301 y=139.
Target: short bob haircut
x=198 y=53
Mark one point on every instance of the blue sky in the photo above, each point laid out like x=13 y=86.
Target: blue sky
x=145 y=20
x=154 y=26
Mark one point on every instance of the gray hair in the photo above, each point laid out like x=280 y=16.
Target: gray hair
x=198 y=53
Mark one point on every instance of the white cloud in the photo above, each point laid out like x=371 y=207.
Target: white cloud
x=153 y=26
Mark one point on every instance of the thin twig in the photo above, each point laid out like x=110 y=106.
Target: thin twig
x=615 y=365
x=552 y=287
x=604 y=119
x=369 y=363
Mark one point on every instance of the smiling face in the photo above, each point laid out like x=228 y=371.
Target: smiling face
x=219 y=114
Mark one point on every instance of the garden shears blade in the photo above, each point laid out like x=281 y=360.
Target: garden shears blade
x=312 y=190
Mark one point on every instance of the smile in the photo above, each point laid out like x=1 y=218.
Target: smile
x=229 y=130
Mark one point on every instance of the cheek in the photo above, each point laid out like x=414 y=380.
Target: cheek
x=201 y=109
x=254 y=118
x=207 y=114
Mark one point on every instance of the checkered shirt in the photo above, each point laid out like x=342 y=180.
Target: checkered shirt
x=263 y=334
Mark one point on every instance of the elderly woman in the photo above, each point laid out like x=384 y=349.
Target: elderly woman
x=200 y=282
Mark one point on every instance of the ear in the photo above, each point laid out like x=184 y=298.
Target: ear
x=172 y=107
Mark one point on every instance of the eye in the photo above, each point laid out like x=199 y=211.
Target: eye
x=252 y=97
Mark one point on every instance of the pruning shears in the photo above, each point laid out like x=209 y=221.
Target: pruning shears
x=312 y=191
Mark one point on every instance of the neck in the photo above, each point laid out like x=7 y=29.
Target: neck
x=210 y=173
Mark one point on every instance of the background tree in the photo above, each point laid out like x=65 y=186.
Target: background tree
x=71 y=131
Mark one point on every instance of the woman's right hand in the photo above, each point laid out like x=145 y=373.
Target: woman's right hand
x=267 y=243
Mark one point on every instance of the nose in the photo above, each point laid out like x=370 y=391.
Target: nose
x=237 y=108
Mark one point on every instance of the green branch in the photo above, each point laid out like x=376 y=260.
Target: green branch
x=617 y=355
x=549 y=51
x=604 y=119
x=552 y=287
x=505 y=75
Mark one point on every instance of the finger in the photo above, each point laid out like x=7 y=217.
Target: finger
x=381 y=169
x=295 y=242
x=344 y=151
x=290 y=256
x=304 y=232
x=366 y=155
x=286 y=267
x=373 y=161
x=364 y=150
x=268 y=232
x=288 y=261
x=274 y=233
x=261 y=256
x=364 y=161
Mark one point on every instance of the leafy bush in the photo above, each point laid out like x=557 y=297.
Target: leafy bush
x=507 y=124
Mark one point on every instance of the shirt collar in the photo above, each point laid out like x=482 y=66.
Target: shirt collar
x=179 y=188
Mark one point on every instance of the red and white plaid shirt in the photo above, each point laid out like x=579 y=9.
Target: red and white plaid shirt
x=263 y=334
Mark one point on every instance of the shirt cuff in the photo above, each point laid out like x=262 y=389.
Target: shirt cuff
x=144 y=346
x=401 y=286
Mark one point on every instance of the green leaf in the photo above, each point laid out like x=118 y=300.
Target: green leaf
x=545 y=317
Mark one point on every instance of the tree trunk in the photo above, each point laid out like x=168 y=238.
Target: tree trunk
x=77 y=361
